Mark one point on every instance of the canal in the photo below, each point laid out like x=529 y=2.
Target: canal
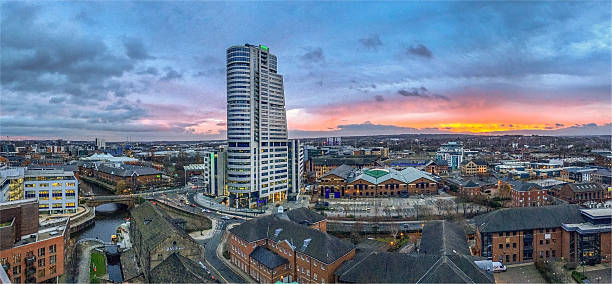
x=108 y=218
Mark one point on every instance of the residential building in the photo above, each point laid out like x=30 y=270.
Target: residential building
x=276 y=248
x=443 y=257
x=155 y=239
x=584 y=193
x=57 y=190
x=602 y=176
x=345 y=181
x=31 y=252
x=474 y=167
x=527 y=195
x=452 y=153
x=296 y=166
x=257 y=164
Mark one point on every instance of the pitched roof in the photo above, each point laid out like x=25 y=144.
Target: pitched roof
x=527 y=218
x=443 y=238
x=340 y=160
x=526 y=186
x=268 y=258
x=179 y=269
x=278 y=227
x=342 y=171
x=152 y=225
x=304 y=216
x=584 y=187
x=387 y=267
x=128 y=170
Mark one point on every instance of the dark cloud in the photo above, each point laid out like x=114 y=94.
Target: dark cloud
x=221 y=124
x=379 y=98
x=313 y=56
x=419 y=50
x=574 y=130
x=57 y=100
x=149 y=71
x=371 y=42
x=367 y=127
x=421 y=92
x=171 y=74
x=559 y=124
x=135 y=49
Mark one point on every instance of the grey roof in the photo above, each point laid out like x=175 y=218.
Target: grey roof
x=179 y=269
x=443 y=238
x=322 y=246
x=386 y=267
x=342 y=171
x=128 y=170
x=526 y=186
x=584 y=187
x=476 y=161
x=152 y=225
x=527 y=218
x=340 y=160
x=377 y=176
x=304 y=216
x=268 y=258
x=470 y=183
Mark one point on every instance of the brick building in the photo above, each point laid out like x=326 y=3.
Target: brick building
x=473 y=167
x=525 y=234
x=527 y=195
x=131 y=175
x=437 y=167
x=348 y=182
x=155 y=239
x=581 y=193
x=276 y=248
x=31 y=252
x=323 y=164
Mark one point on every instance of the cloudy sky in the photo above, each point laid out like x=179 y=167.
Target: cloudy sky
x=149 y=71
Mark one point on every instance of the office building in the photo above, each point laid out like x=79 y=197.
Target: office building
x=31 y=252
x=452 y=153
x=55 y=189
x=210 y=175
x=256 y=128
x=296 y=166
x=11 y=183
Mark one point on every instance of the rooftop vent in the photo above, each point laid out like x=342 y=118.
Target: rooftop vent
x=277 y=232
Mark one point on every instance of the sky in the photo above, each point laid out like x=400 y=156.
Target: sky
x=156 y=70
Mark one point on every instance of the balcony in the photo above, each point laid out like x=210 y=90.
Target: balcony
x=30 y=259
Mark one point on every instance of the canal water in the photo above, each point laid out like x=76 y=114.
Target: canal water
x=108 y=218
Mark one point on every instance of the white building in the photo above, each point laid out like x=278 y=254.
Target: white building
x=256 y=128
x=296 y=165
x=452 y=153
x=11 y=183
x=55 y=189
x=211 y=173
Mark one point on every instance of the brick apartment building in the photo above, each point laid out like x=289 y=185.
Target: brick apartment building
x=581 y=193
x=527 y=195
x=278 y=248
x=323 y=164
x=131 y=175
x=526 y=234
x=345 y=181
x=31 y=252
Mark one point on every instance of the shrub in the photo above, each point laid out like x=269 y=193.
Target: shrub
x=578 y=276
x=226 y=254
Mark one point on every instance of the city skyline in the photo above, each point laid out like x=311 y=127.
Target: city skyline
x=156 y=71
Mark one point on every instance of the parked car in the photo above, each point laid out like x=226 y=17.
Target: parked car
x=499 y=267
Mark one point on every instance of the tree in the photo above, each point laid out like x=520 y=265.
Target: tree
x=121 y=187
x=504 y=190
x=394 y=230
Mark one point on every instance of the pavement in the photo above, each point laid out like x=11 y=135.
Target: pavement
x=599 y=276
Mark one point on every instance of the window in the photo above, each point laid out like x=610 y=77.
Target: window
x=17 y=269
x=52 y=270
x=547 y=254
x=507 y=258
x=541 y=242
x=554 y=253
x=41 y=252
x=507 y=245
x=514 y=257
x=547 y=241
x=41 y=262
x=513 y=245
x=52 y=259
x=501 y=246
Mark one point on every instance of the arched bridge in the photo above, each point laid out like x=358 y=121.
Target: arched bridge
x=128 y=200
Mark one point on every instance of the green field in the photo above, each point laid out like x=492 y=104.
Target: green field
x=99 y=261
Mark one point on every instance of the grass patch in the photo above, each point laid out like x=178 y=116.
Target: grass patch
x=98 y=260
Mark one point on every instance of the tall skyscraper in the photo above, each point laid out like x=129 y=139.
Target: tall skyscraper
x=256 y=128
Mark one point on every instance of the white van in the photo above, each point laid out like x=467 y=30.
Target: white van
x=498 y=267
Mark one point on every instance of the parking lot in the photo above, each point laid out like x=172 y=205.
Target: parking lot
x=526 y=273
x=398 y=207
